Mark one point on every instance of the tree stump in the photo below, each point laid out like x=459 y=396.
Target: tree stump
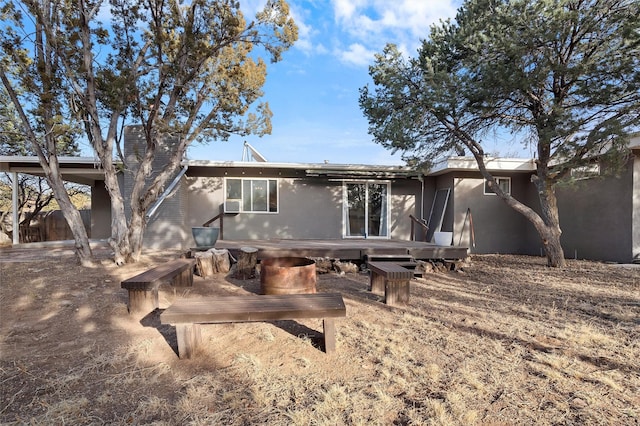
x=220 y=260
x=212 y=261
x=246 y=266
x=204 y=265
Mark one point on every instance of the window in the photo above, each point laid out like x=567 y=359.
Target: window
x=251 y=195
x=503 y=182
x=585 y=172
x=366 y=209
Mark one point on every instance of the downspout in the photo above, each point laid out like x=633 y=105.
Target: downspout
x=166 y=193
x=14 y=208
x=421 y=179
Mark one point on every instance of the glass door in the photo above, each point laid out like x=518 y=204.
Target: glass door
x=366 y=209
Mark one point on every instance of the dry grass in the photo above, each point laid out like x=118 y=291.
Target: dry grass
x=504 y=341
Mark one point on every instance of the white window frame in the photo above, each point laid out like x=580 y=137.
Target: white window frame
x=241 y=200
x=345 y=203
x=498 y=179
x=586 y=172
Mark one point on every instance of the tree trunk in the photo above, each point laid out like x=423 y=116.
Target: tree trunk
x=550 y=233
x=136 y=235
x=49 y=162
x=74 y=220
x=119 y=240
x=547 y=224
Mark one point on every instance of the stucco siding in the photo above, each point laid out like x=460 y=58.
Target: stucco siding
x=305 y=210
x=308 y=208
x=166 y=228
x=596 y=218
x=405 y=201
x=497 y=228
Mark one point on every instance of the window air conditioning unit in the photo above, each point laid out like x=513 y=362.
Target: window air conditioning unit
x=232 y=206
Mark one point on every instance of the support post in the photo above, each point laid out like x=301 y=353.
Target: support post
x=144 y=301
x=377 y=283
x=396 y=292
x=184 y=278
x=329 y=327
x=189 y=338
x=14 y=207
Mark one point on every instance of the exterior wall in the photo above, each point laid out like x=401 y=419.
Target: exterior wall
x=405 y=200
x=428 y=193
x=597 y=217
x=306 y=210
x=497 y=228
x=309 y=207
x=100 y=212
x=166 y=229
x=443 y=182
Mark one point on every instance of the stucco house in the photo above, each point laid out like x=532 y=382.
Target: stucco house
x=259 y=200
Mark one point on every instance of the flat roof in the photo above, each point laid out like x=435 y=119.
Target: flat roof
x=83 y=170
x=493 y=164
x=312 y=169
x=87 y=170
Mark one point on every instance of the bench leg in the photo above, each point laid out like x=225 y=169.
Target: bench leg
x=376 y=284
x=189 y=338
x=329 y=326
x=143 y=301
x=396 y=292
x=184 y=278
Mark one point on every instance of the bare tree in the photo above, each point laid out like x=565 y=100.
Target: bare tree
x=187 y=72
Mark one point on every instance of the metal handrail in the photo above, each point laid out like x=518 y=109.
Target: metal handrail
x=415 y=220
x=210 y=221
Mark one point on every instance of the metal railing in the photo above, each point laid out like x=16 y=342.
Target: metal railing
x=220 y=217
x=420 y=225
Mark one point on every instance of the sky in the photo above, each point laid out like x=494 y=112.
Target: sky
x=313 y=91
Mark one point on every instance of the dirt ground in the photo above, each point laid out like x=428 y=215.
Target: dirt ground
x=503 y=340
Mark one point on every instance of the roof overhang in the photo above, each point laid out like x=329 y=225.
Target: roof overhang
x=341 y=171
x=82 y=170
x=493 y=164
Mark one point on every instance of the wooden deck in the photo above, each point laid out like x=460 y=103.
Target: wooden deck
x=347 y=249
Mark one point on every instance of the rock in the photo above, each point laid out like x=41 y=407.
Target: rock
x=345 y=267
x=4 y=239
x=324 y=265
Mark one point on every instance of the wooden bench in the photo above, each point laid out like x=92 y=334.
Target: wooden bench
x=143 y=288
x=391 y=281
x=188 y=314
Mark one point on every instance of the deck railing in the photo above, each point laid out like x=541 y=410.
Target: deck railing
x=420 y=225
x=220 y=216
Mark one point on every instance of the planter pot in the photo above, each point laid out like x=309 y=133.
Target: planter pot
x=205 y=236
x=443 y=238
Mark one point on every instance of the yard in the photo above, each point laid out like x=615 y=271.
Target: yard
x=505 y=340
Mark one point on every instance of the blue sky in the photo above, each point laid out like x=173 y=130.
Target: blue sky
x=313 y=91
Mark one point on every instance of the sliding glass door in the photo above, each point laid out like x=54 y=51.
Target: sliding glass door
x=366 y=209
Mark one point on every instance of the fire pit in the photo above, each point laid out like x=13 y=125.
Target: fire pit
x=287 y=275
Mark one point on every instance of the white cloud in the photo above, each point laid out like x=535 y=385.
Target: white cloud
x=374 y=23
x=306 y=33
x=356 y=54
x=345 y=9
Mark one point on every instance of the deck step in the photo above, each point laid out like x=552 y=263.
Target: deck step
x=388 y=258
x=406 y=261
